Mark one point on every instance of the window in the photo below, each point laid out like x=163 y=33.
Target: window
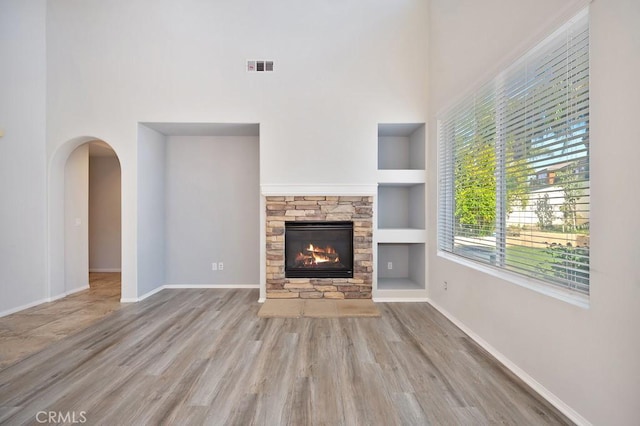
x=514 y=165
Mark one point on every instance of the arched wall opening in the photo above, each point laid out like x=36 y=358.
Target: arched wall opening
x=68 y=214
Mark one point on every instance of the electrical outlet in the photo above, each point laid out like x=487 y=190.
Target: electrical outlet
x=214 y=266
x=220 y=266
x=445 y=285
x=389 y=265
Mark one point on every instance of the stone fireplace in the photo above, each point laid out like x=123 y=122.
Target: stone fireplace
x=330 y=210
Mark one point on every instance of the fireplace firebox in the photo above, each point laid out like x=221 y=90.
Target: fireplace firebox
x=318 y=249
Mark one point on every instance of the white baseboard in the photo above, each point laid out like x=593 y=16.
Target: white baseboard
x=23 y=307
x=105 y=270
x=533 y=383
x=76 y=290
x=400 y=299
x=151 y=293
x=67 y=293
x=211 y=286
x=57 y=297
x=187 y=286
x=41 y=301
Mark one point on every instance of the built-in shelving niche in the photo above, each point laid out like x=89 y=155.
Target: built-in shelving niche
x=401 y=266
x=400 y=211
x=401 y=206
x=401 y=146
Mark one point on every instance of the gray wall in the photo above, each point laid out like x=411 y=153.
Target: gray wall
x=398 y=255
x=151 y=204
x=417 y=149
x=393 y=152
x=104 y=214
x=417 y=253
x=407 y=259
x=212 y=210
x=401 y=206
x=76 y=217
x=22 y=153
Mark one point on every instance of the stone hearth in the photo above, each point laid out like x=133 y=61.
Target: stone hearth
x=358 y=209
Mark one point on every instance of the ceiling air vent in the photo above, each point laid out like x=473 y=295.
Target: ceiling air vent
x=259 y=66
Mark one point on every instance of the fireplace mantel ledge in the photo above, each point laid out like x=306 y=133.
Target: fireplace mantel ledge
x=319 y=189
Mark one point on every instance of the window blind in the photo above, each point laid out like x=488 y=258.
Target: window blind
x=514 y=165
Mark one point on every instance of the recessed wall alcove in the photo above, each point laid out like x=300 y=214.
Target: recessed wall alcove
x=198 y=205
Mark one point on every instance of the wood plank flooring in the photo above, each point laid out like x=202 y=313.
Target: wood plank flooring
x=32 y=329
x=204 y=357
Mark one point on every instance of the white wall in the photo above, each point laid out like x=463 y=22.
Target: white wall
x=104 y=214
x=341 y=68
x=212 y=210
x=22 y=153
x=151 y=209
x=76 y=220
x=586 y=357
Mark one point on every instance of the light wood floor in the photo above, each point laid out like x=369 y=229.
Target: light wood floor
x=31 y=330
x=204 y=357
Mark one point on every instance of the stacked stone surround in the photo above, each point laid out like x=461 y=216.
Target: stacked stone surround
x=358 y=209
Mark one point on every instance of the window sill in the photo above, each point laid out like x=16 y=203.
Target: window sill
x=579 y=300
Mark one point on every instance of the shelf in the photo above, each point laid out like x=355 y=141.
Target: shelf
x=401 y=266
x=413 y=295
x=401 y=177
x=401 y=146
x=401 y=206
x=398 y=284
x=401 y=235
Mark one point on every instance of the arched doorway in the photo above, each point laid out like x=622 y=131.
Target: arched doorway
x=69 y=214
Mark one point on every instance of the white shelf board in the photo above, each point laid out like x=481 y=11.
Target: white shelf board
x=398 y=284
x=382 y=295
x=398 y=235
x=401 y=177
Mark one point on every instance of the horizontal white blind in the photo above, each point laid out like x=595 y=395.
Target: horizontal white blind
x=514 y=165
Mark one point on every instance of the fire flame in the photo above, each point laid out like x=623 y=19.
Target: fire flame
x=316 y=255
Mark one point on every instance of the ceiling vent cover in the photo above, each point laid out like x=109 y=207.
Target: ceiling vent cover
x=259 y=66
